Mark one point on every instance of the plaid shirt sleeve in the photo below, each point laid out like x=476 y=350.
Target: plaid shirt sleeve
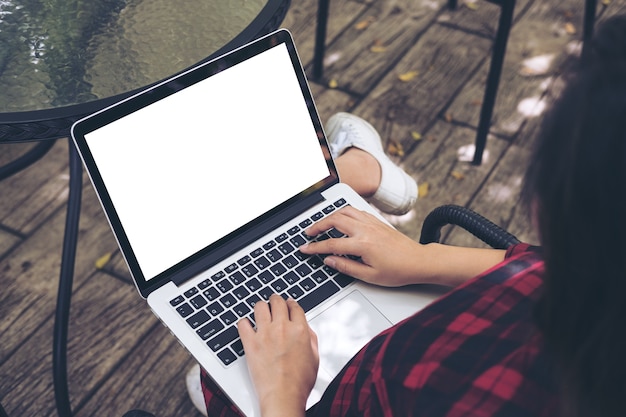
x=474 y=352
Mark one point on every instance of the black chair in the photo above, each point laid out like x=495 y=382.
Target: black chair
x=495 y=68
x=474 y=223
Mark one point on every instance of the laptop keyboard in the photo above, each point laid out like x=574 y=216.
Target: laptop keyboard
x=213 y=307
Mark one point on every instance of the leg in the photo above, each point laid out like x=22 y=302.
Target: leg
x=362 y=163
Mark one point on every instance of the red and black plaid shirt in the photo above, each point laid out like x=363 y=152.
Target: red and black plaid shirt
x=473 y=352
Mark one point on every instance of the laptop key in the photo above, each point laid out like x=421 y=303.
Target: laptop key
x=328 y=210
x=217 y=276
x=292 y=231
x=279 y=285
x=315 y=217
x=227 y=356
x=238 y=347
x=266 y=293
x=176 y=301
x=198 y=301
x=297 y=241
x=303 y=270
x=191 y=292
x=228 y=300
x=269 y=245
x=343 y=280
x=224 y=285
x=230 y=268
x=256 y=253
x=244 y=260
x=262 y=262
x=274 y=255
x=228 y=318
x=204 y=284
x=282 y=237
x=291 y=277
x=295 y=292
x=252 y=300
x=305 y=223
x=241 y=309
x=198 y=319
x=210 y=329
x=290 y=261
x=237 y=278
x=211 y=294
x=307 y=284
x=286 y=248
x=266 y=277
x=320 y=294
x=339 y=203
x=223 y=339
x=253 y=284
x=184 y=310
x=249 y=270
x=241 y=292
x=215 y=308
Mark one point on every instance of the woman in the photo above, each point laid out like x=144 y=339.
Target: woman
x=535 y=334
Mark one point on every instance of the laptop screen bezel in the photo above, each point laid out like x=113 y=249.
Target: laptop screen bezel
x=214 y=252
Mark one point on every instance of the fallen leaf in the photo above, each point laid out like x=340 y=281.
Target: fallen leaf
x=476 y=102
x=448 y=117
x=416 y=135
x=422 y=189
x=457 y=175
x=103 y=260
x=568 y=14
x=408 y=76
x=471 y=5
x=570 y=28
x=377 y=49
x=364 y=24
x=606 y=2
x=395 y=148
x=333 y=83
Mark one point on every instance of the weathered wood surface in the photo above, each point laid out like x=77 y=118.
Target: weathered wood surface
x=120 y=356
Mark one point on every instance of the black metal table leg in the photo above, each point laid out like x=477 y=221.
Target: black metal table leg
x=61 y=322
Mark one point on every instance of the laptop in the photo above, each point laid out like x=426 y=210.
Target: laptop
x=208 y=180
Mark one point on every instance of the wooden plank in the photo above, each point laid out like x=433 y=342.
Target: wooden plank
x=7 y=242
x=443 y=60
x=152 y=378
x=301 y=20
x=30 y=274
x=394 y=28
x=450 y=181
x=540 y=35
x=330 y=101
x=107 y=321
x=32 y=195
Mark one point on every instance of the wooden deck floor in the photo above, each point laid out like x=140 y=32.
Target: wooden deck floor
x=120 y=356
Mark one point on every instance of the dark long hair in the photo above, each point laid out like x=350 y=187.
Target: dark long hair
x=576 y=184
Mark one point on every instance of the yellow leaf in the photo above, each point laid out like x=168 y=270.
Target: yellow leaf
x=395 y=148
x=103 y=260
x=364 y=24
x=408 y=76
x=457 y=175
x=606 y=2
x=471 y=5
x=570 y=28
x=333 y=83
x=416 y=135
x=448 y=117
x=377 y=49
x=422 y=189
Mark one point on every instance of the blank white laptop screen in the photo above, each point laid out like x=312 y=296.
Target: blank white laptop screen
x=189 y=169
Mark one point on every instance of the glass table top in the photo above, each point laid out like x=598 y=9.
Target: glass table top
x=56 y=53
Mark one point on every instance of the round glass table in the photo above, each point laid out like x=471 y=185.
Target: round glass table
x=63 y=59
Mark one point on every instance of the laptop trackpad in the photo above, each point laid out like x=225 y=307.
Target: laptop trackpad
x=344 y=328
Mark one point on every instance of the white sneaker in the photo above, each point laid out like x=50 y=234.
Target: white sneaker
x=397 y=191
x=194 y=388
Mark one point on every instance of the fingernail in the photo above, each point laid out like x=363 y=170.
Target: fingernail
x=330 y=262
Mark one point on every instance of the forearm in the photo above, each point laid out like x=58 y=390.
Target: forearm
x=453 y=265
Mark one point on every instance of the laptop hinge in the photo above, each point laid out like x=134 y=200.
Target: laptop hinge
x=246 y=236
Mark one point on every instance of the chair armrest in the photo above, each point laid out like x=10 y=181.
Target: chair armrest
x=474 y=223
